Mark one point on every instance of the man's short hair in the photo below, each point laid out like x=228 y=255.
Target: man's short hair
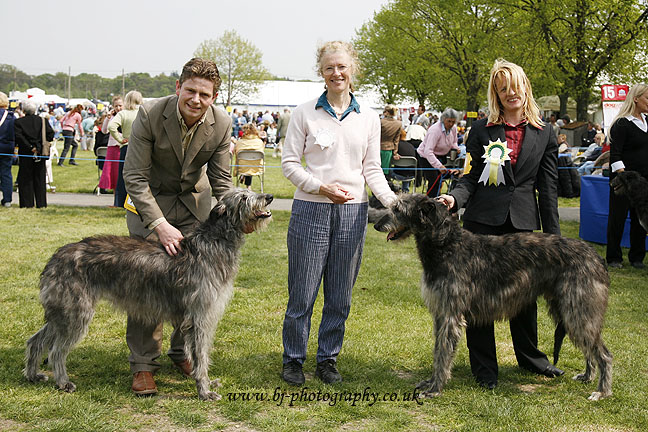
x=201 y=68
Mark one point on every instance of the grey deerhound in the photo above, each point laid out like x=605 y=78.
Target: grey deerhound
x=190 y=290
x=633 y=186
x=479 y=278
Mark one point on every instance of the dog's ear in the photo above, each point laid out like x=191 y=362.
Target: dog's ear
x=429 y=211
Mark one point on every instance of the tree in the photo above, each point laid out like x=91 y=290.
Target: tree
x=585 y=38
x=239 y=63
x=439 y=50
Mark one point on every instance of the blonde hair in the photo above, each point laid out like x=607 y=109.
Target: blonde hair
x=334 y=46
x=132 y=100
x=250 y=129
x=629 y=104
x=4 y=100
x=517 y=80
x=390 y=110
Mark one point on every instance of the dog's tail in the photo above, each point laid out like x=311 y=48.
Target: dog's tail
x=559 y=336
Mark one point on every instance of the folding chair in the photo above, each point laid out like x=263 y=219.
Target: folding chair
x=101 y=154
x=246 y=157
x=402 y=165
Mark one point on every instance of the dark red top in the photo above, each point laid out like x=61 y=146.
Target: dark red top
x=514 y=137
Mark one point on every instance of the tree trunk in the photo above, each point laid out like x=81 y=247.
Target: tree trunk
x=582 y=102
x=563 y=104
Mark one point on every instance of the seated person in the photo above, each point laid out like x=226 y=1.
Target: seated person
x=405 y=148
x=249 y=141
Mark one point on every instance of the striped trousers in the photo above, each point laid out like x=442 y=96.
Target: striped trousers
x=325 y=242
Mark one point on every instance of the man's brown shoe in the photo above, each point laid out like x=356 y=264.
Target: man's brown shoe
x=185 y=367
x=144 y=384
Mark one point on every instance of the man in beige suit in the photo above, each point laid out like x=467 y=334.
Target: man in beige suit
x=282 y=128
x=178 y=155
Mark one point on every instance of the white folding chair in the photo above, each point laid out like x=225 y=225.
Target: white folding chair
x=245 y=157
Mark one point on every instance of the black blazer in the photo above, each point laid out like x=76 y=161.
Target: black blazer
x=629 y=144
x=29 y=134
x=536 y=170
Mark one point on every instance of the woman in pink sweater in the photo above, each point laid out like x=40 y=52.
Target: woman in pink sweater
x=340 y=143
x=68 y=122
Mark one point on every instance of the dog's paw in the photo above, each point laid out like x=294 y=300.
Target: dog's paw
x=215 y=383
x=39 y=377
x=598 y=396
x=428 y=389
x=68 y=387
x=210 y=396
x=582 y=377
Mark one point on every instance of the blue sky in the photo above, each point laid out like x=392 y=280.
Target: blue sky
x=44 y=36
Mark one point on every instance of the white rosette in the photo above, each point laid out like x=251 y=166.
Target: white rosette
x=324 y=138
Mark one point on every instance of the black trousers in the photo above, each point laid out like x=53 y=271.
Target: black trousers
x=433 y=176
x=120 y=189
x=31 y=182
x=524 y=329
x=619 y=207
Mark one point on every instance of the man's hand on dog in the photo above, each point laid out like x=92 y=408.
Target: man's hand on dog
x=170 y=237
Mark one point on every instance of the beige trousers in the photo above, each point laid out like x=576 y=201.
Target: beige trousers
x=145 y=340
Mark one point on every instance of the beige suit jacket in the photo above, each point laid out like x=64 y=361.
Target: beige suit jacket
x=158 y=176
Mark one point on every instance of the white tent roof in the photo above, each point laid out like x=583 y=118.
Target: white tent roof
x=275 y=95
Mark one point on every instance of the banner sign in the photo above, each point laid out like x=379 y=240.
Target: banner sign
x=613 y=96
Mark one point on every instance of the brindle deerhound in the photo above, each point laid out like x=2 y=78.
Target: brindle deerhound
x=633 y=186
x=481 y=278
x=190 y=290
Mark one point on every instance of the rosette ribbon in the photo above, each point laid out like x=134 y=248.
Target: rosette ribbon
x=495 y=154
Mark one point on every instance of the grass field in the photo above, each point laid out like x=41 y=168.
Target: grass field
x=387 y=350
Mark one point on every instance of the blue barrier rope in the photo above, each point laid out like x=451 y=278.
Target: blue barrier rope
x=269 y=166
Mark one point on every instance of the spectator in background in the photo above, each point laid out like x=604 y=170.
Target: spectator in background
x=588 y=138
x=440 y=139
x=124 y=120
x=405 y=148
x=249 y=141
x=110 y=171
x=282 y=129
x=421 y=119
x=31 y=166
x=69 y=124
x=628 y=150
x=390 y=129
x=7 y=145
x=88 y=124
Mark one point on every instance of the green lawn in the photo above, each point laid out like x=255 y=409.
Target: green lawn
x=387 y=350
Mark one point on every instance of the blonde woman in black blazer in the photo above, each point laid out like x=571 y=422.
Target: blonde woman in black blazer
x=628 y=150
x=503 y=200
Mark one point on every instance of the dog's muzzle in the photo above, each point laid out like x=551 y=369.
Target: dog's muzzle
x=265 y=213
x=397 y=233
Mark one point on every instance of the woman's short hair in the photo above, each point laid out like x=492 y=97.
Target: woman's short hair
x=4 y=100
x=516 y=79
x=29 y=107
x=132 y=100
x=449 y=113
x=201 y=68
x=629 y=105
x=250 y=129
x=116 y=98
x=333 y=46
x=390 y=110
